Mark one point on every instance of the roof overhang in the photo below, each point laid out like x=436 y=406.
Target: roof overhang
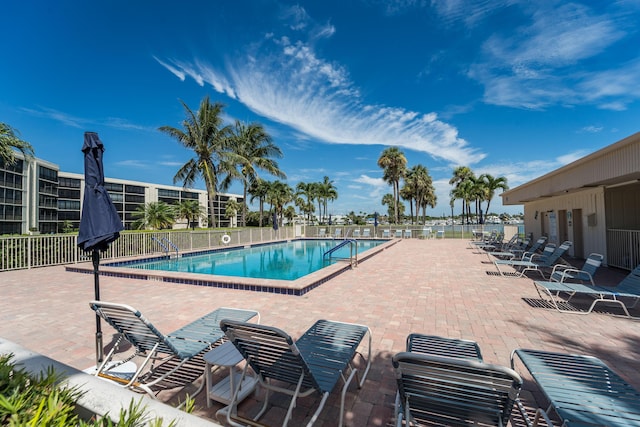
x=615 y=165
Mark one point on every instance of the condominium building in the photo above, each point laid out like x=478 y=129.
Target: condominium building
x=35 y=196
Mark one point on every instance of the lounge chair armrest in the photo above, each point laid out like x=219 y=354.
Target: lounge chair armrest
x=532 y=256
x=576 y=272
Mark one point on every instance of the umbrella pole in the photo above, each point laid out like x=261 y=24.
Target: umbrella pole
x=95 y=258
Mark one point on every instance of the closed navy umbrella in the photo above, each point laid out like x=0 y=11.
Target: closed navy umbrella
x=99 y=224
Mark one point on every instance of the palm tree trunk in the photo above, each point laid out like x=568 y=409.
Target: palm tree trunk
x=244 y=205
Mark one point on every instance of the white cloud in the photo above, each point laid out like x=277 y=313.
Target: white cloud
x=83 y=123
x=540 y=64
x=471 y=12
x=592 y=129
x=175 y=71
x=137 y=164
x=287 y=83
x=565 y=159
x=377 y=187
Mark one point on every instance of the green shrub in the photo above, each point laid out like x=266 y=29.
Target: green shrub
x=28 y=400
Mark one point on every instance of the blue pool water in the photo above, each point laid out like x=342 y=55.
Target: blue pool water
x=282 y=261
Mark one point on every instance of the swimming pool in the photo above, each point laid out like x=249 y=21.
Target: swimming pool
x=280 y=258
x=280 y=261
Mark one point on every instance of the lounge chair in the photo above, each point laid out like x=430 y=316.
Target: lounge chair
x=316 y=362
x=628 y=288
x=581 y=390
x=322 y=232
x=537 y=247
x=386 y=234
x=510 y=250
x=453 y=391
x=427 y=233
x=443 y=346
x=337 y=233
x=537 y=263
x=407 y=234
x=366 y=233
x=567 y=273
x=494 y=242
x=398 y=234
x=180 y=352
x=356 y=233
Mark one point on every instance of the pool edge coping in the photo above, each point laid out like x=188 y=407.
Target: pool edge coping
x=296 y=287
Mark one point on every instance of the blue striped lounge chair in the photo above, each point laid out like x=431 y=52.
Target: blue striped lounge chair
x=581 y=390
x=625 y=294
x=316 y=362
x=180 y=352
x=537 y=264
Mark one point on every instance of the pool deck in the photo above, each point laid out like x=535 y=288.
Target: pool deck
x=438 y=287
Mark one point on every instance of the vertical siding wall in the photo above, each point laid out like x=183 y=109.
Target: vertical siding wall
x=591 y=202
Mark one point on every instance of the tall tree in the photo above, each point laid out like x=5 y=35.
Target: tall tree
x=393 y=163
x=278 y=195
x=326 y=191
x=306 y=190
x=259 y=190
x=420 y=187
x=462 y=175
x=492 y=184
x=191 y=210
x=204 y=133
x=9 y=140
x=252 y=149
x=231 y=209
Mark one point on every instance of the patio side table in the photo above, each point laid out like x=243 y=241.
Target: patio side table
x=226 y=356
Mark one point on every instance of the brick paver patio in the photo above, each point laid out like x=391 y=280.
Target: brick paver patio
x=438 y=287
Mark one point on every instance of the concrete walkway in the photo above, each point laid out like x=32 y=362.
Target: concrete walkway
x=438 y=287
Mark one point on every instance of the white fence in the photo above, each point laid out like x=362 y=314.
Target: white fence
x=623 y=248
x=21 y=252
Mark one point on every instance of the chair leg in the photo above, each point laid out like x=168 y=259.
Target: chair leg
x=294 y=400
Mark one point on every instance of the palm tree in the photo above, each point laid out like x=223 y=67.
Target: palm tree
x=278 y=196
x=326 y=191
x=461 y=178
x=191 y=210
x=203 y=133
x=390 y=201
x=8 y=141
x=232 y=208
x=406 y=193
x=154 y=215
x=306 y=190
x=259 y=190
x=420 y=187
x=492 y=184
x=394 y=164
x=290 y=213
x=252 y=149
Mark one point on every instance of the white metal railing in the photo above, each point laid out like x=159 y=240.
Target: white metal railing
x=22 y=252
x=457 y=231
x=623 y=248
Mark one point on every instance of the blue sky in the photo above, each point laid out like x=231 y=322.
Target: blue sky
x=510 y=88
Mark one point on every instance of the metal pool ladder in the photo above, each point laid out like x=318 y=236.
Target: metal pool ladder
x=353 y=255
x=165 y=246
